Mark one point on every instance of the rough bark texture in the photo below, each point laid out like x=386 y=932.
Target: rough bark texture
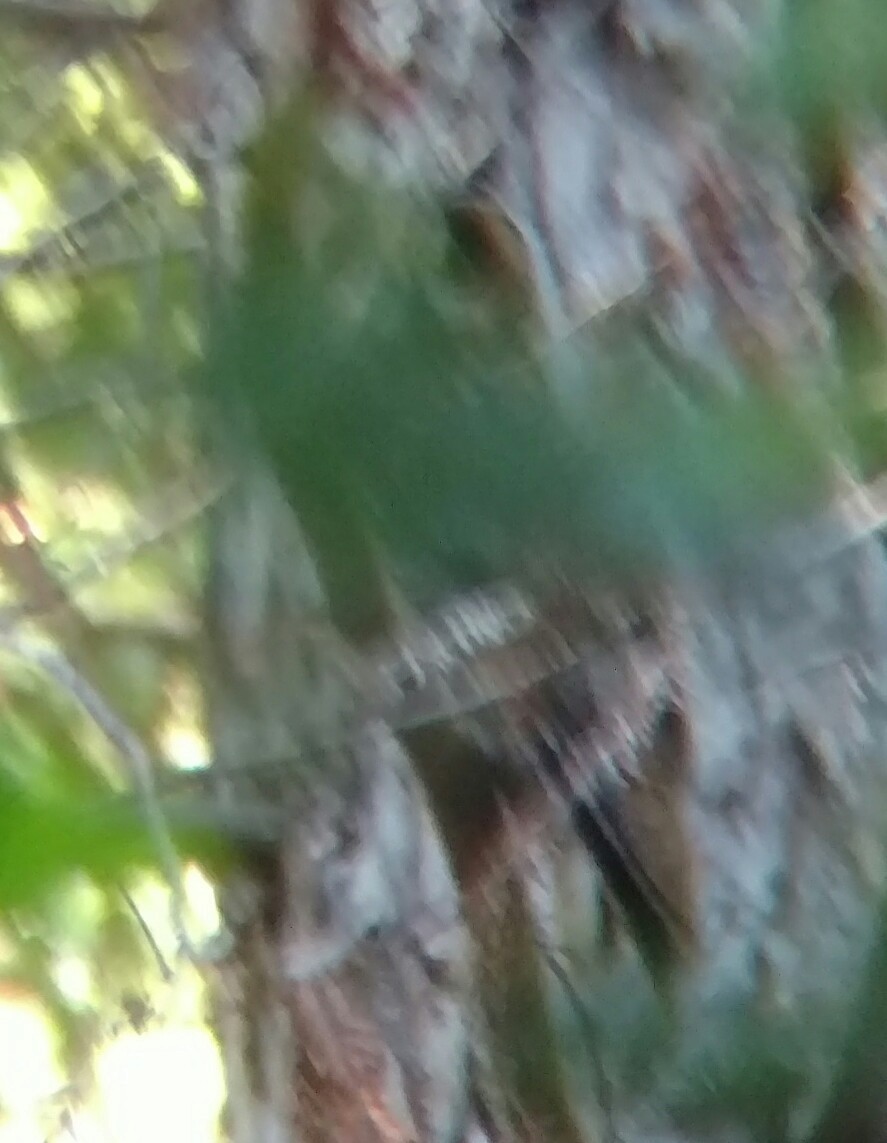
x=379 y=977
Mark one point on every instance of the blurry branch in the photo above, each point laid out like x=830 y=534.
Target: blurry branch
x=23 y=564
x=178 y=504
x=175 y=506
x=129 y=746
x=175 y=632
x=64 y=244
x=151 y=941
x=67 y=17
x=591 y=1036
x=127 y=258
x=71 y=390
x=43 y=595
x=46 y=597
x=65 y=398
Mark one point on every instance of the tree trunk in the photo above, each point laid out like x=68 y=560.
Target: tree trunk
x=367 y=994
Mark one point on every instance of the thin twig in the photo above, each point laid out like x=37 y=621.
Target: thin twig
x=165 y=971
x=181 y=502
x=177 y=506
x=131 y=257
x=133 y=751
x=592 y=1033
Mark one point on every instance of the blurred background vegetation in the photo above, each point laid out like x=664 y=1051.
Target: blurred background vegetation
x=101 y=493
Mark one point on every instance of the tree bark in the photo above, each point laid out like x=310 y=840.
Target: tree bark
x=353 y=1004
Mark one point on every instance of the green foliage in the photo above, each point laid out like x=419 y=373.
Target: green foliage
x=44 y=839
x=57 y=815
x=833 y=59
x=437 y=436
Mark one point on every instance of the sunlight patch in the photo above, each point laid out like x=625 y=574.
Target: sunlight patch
x=163 y=1084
